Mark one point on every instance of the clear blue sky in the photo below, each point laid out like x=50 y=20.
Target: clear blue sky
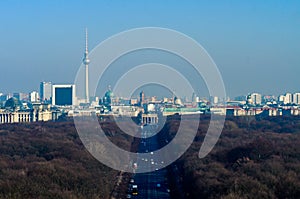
x=256 y=44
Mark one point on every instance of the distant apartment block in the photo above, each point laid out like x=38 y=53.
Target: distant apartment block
x=287 y=98
x=45 y=91
x=255 y=98
x=296 y=98
x=34 y=96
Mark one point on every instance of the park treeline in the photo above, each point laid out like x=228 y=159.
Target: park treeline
x=254 y=158
x=48 y=160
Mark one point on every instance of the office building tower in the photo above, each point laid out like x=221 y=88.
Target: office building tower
x=287 y=98
x=63 y=94
x=296 y=98
x=45 y=91
x=142 y=98
x=256 y=98
x=34 y=96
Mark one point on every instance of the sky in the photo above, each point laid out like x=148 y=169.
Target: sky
x=255 y=44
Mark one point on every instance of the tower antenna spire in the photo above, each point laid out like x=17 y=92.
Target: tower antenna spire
x=86 y=62
x=86 y=40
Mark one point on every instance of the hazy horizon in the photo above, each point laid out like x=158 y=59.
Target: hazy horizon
x=256 y=45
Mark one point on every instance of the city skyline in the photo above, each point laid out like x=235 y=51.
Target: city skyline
x=152 y=90
x=255 y=45
x=46 y=90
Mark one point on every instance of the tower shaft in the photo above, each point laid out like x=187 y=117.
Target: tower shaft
x=87 y=83
x=86 y=62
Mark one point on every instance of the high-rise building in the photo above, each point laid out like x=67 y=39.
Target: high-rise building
x=63 y=94
x=296 y=98
x=142 y=98
x=256 y=98
x=34 y=96
x=45 y=91
x=287 y=98
x=86 y=62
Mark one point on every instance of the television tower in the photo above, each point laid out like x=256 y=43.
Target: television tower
x=86 y=62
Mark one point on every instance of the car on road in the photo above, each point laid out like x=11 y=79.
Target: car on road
x=135 y=165
x=135 y=190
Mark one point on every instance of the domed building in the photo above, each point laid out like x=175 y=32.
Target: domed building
x=108 y=99
x=17 y=112
x=13 y=104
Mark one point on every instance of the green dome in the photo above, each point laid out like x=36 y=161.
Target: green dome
x=109 y=94
x=13 y=103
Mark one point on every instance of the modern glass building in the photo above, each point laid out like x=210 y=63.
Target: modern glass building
x=63 y=95
x=45 y=91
